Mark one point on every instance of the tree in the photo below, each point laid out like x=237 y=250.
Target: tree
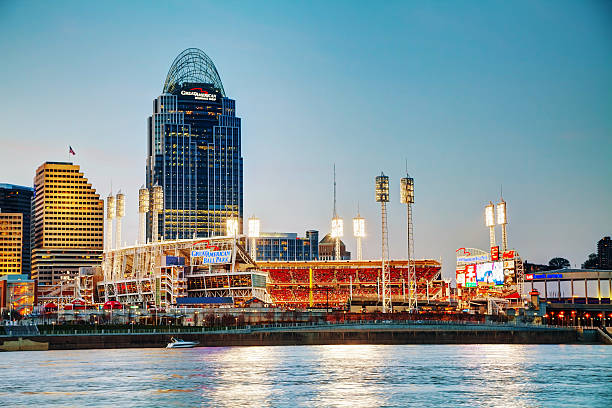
x=559 y=263
x=591 y=263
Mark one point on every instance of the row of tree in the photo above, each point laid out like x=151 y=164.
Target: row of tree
x=561 y=263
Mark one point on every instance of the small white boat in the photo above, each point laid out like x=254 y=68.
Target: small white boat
x=178 y=343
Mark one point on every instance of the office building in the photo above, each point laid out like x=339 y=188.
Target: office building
x=18 y=199
x=194 y=152
x=327 y=248
x=277 y=246
x=68 y=223
x=604 y=253
x=11 y=237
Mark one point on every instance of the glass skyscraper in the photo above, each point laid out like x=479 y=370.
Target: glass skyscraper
x=18 y=199
x=194 y=151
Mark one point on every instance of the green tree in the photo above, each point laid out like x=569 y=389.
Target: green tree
x=559 y=263
x=591 y=263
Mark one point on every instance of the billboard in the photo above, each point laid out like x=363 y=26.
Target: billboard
x=213 y=257
x=495 y=253
x=490 y=272
x=470 y=276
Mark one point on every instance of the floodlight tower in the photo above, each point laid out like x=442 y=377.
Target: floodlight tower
x=158 y=206
x=337 y=224
x=143 y=209
x=120 y=200
x=407 y=197
x=254 y=226
x=231 y=227
x=382 y=197
x=490 y=222
x=502 y=220
x=110 y=215
x=359 y=233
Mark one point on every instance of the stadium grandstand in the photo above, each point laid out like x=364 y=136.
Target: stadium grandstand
x=335 y=284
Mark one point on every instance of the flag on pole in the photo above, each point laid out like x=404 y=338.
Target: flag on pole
x=70 y=151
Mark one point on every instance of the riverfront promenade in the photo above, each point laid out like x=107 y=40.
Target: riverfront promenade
x=382 y=332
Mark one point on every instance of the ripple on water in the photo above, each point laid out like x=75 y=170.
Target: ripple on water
x=335 y=376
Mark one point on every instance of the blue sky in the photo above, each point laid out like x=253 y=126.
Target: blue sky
x=475 y=95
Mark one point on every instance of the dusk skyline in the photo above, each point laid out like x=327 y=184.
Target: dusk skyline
x=525 y=107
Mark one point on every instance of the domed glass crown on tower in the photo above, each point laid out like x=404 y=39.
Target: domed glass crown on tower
x=194 y=151
x=192 y=66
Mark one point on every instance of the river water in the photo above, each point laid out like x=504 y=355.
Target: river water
x=326 y=376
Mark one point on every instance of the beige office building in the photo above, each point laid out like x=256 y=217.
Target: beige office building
x=11 y=241
x=68 y=223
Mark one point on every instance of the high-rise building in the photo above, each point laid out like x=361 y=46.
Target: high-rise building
x=11 y=237
x=604 y=253
x=68 y=223
x=194 y=151
x=277 y=246
x=18 y=199
x=327 y=249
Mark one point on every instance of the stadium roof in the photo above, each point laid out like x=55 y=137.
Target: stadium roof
x=193 y=66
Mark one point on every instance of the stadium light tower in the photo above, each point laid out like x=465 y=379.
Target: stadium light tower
x=158 y=206
x=337 y=224
x=143 y=209
x=502 y=220
x=231 y=227
x=407 y=197
x=254 y=227
x=359 y=233
x=110 y=215
x=120 y=201
x=490 y=222
x=382 y=197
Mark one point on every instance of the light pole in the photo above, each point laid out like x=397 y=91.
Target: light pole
x=359 y=233
x=407 y=197
x=490 y=222
x=254 y=227
x=382 y=197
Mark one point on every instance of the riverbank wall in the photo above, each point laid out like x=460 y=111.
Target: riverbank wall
x=323 y=335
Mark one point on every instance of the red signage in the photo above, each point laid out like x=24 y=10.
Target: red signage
x=495 y=253
x=208 y=245
x=470 y=274
x=529 y=276
x=508 y=255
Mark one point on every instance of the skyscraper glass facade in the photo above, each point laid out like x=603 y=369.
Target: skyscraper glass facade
x=277 y=246
x=18 y=199
x=194 y=152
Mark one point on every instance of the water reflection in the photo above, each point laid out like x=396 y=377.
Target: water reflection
x=332 y=376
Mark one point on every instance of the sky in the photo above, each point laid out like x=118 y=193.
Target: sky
x=474 y=97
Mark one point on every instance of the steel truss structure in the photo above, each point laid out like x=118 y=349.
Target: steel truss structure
x=192 y=66
x=160 y=273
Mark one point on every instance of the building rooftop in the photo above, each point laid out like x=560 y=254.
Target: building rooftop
x=15 y=187
x=192 y=66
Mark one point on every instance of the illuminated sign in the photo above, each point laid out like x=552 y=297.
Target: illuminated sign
x=490 y=272
x=461 y=279
x=508 y=255
x=213 y=257
x=531 y=276
x=508 y=264
x=495 y=253
x=200 y=94
x=474 y=258
x=470 y=276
